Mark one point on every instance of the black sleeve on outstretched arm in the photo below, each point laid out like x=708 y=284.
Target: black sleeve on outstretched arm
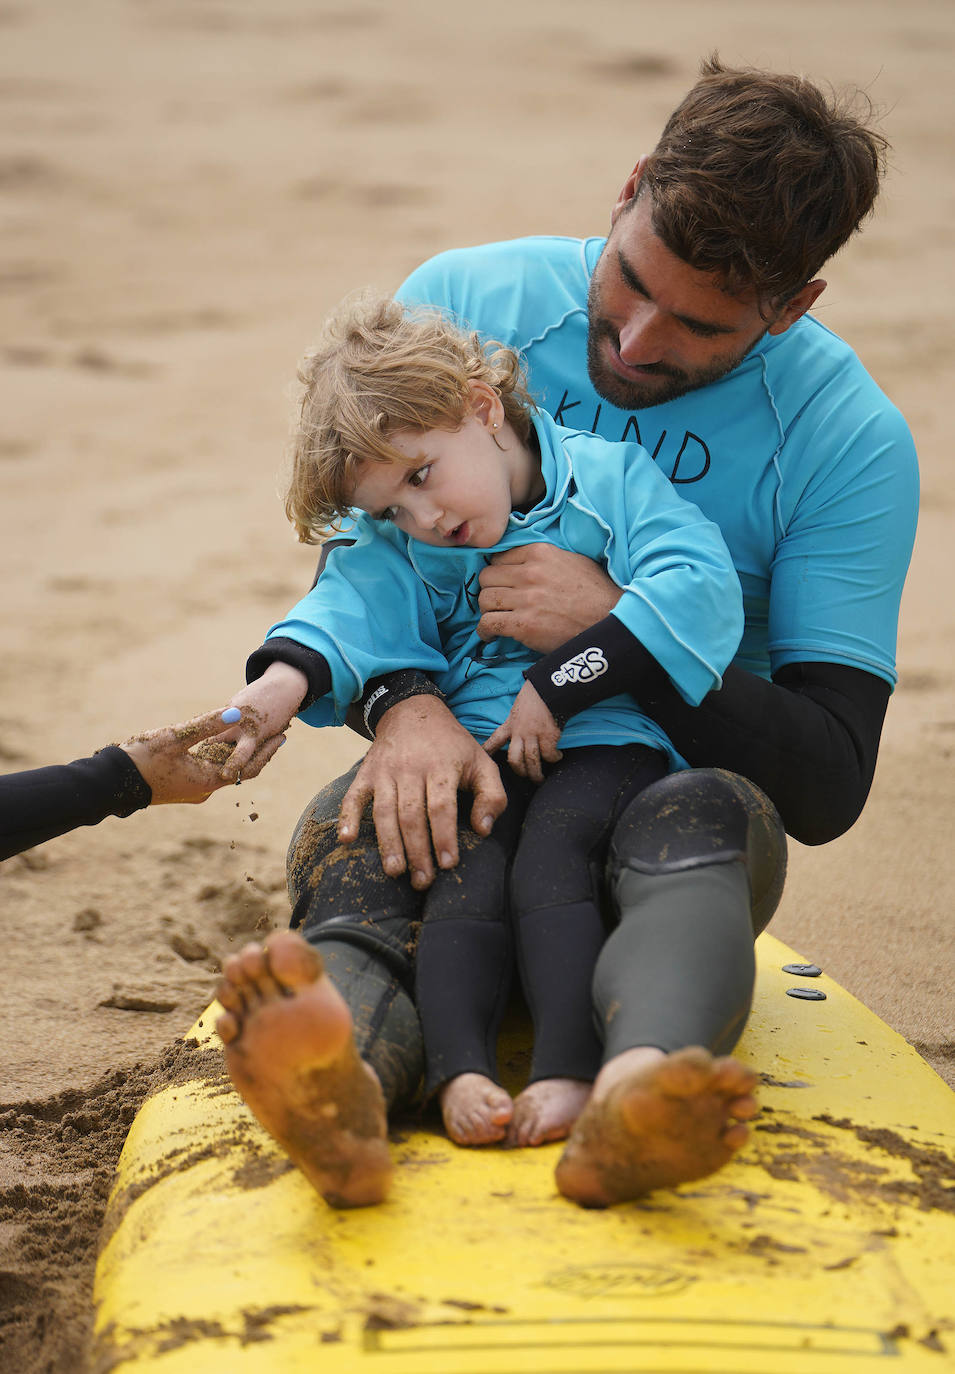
x=809 y=739
x=308 y=661
x=41 y=803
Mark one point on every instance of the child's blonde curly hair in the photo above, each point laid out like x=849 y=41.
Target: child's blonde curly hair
x=380 y=368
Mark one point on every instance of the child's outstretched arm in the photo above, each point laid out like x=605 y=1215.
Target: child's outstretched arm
x=533 y=733
x=267 y=707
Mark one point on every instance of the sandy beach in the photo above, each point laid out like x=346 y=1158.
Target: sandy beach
x=189 y=188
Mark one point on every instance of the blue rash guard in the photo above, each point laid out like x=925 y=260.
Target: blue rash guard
x=391 y=602
x=797 y=455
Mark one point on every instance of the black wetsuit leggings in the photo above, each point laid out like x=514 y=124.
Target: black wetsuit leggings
x=694 y=871
x=532 y=888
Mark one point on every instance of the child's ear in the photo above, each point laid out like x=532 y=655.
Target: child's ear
x=486 y=404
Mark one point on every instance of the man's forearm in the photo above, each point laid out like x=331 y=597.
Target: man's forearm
x=809 y=739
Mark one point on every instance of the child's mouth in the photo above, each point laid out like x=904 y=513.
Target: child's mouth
x=459 y=535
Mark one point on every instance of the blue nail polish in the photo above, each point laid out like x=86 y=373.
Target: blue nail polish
x=231 y=714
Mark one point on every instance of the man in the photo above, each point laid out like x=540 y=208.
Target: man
x=686 y=330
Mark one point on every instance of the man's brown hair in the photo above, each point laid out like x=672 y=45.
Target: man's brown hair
x=760 y=178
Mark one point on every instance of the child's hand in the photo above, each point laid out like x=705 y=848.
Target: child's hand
x=533 y=733
x=267 y=707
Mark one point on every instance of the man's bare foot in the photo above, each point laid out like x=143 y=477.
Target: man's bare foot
x=475 y=1109
x=547 y=1109
x=292 y=1058
x=672 y=1119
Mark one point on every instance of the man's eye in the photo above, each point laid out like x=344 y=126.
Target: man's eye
x=419 y=477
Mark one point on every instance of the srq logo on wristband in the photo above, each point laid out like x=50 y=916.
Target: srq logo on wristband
x=583 y=667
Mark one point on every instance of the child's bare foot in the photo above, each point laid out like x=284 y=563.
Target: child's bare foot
x=547 y=1109
x=475 y=1110
x=291 y=1055
x=671 y=1119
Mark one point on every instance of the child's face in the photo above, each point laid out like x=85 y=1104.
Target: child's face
x=458 y=487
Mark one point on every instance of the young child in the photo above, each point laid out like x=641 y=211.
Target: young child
x=431 y=434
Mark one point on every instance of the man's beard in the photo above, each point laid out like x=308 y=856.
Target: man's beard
x=626 y=392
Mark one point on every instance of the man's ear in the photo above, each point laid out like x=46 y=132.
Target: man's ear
x=628 y=190
x=794 y=309
x=486 y=404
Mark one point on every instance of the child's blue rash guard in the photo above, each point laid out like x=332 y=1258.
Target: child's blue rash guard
x=797 y=455
x=390 y=602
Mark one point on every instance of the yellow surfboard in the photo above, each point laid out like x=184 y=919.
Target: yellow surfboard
x=828 y=1245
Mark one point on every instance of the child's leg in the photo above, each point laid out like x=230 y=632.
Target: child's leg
x=558 y=923
x=464 y=968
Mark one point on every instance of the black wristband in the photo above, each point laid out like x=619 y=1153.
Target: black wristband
x=600 y=663
x=309 y=661
x=381 y=693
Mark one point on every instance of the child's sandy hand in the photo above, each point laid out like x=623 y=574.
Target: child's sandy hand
x=533 y=733
x=267 y=707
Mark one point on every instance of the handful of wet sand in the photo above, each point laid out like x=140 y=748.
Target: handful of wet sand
x=213 y=750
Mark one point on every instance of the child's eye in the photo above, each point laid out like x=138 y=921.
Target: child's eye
x=419 y=477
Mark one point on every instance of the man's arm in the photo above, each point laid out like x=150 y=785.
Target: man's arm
x=809 y=738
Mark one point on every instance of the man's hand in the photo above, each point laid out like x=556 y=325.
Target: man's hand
x=533 y=733
x=542 y=596
x=176 y=770
x=419 y=761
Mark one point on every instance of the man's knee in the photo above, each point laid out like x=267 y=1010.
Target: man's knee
x=341 y=891
x=378 y=993
x=699 y=818
x=316 y=835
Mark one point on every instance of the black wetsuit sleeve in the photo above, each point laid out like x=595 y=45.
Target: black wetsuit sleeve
x=809 y=739
x=598 y=663
x=41 y=803
x=309 y=661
